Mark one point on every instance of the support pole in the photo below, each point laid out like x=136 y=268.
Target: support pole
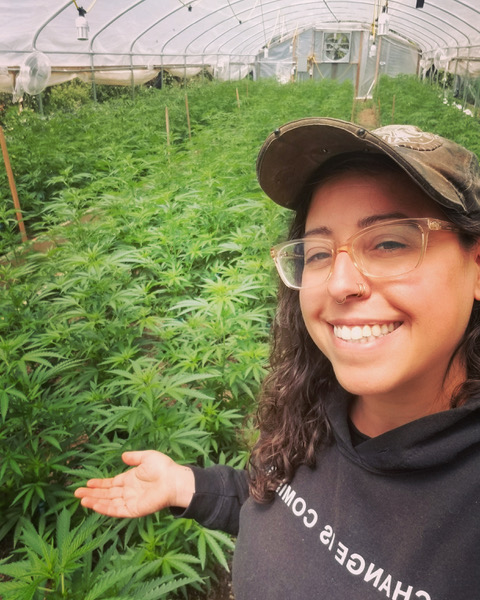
x=188 y=118
x=40 y=104
x=13 y=188
x=359 y=66
x=167 y=125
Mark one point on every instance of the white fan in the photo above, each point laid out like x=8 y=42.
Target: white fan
x=337 y=47
x=34 y=74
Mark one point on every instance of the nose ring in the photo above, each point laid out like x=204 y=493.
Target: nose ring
x=361 y=291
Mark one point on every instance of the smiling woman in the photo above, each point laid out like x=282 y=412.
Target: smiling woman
x=408 y=371
x=363 y=483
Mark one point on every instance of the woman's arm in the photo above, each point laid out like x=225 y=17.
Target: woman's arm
x=220 y=492
x=212 y=496
x=155 y=482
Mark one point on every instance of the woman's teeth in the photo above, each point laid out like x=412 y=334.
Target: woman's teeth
x=363 y=333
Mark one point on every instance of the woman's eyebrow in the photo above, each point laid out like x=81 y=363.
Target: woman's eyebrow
x=318 y=231
x=372 y=219
x=361 y=224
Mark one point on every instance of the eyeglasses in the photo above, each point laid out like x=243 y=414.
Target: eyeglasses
x=387 y=249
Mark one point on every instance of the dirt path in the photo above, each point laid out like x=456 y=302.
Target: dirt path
x=367 y=117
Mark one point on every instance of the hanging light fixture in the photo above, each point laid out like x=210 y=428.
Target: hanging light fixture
x=383 y=26
x=81 y=24
x=380 y=26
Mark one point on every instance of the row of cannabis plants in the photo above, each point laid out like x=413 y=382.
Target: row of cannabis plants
x=142 y=323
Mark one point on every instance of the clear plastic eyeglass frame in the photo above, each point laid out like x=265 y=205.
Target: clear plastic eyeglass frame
x=387 y=249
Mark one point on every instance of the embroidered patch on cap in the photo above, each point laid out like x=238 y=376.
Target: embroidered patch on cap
x=408 y=136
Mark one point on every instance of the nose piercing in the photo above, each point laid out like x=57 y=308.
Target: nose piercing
x=361 y=291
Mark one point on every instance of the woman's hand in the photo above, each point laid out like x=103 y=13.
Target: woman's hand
x=155 y=482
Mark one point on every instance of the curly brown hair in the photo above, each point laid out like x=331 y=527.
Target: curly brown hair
x=291 y=414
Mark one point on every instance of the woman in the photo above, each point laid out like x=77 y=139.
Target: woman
x=363 y=484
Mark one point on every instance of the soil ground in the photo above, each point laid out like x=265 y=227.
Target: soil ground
x=367 y=117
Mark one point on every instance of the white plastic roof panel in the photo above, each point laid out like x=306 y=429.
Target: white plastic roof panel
x=155 y=33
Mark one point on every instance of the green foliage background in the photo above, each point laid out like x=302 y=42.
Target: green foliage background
x=144 y=323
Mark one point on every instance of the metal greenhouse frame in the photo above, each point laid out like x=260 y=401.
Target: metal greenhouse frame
x=130 y=42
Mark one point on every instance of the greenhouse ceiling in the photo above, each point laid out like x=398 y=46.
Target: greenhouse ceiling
x=158 y=33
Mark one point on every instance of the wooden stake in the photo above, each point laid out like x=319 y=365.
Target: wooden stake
x=167 y=124
x=238 y=98
x=357 y=77
x=393 y=108
x=188 y=118
x=13 y=188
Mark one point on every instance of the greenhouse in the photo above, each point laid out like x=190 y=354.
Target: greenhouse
x=149 y=344
x=133 y=42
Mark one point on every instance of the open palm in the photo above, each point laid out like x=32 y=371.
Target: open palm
x=155 y=482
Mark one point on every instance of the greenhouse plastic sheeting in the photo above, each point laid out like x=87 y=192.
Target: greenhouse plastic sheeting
x=130 y=41
x=353 y=61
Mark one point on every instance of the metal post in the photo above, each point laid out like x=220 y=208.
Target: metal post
x=359 y=64
x=94 y=86
x=455 y=72
x=466 y=79
x=445 y=71
x=132 y=78
x=40 y=104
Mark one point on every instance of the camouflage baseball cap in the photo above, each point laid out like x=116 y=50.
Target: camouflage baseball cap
x=446 y=171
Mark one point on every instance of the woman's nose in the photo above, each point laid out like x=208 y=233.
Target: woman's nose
x=345 y=280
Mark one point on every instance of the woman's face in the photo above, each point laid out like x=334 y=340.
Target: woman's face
x=424 y=313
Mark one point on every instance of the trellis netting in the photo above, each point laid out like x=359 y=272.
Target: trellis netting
x=134 y=41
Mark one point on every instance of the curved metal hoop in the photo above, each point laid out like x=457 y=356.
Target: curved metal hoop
x=362 y=288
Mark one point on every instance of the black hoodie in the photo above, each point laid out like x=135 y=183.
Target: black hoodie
x=396 y=516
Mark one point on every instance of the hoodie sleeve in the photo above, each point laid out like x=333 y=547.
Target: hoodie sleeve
x=220 y=492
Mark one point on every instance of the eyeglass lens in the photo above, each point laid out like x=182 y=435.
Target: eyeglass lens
x=381 y=251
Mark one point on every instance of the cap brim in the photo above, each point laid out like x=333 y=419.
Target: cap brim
x=292 y=153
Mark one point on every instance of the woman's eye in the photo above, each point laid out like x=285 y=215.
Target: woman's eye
x=317 y=257
x=390 y=245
